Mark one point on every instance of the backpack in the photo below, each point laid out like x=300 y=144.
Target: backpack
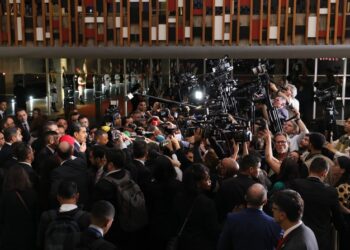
x=132 y=213
x=60 y=228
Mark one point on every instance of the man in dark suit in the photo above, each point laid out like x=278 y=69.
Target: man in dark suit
x=106 y=190
x=139 y=172
x=80 y=135
x=231 y=193
x=25 y=156
x=251 y=223
x=97 y=158
x=50 y=140
x=102 y=215
x=287 y=209
x=72 y=169
x=23 y=124
x=321 y=203
x=3 y=107
x=11 y=135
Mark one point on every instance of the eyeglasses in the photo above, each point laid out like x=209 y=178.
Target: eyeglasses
x=281 y=142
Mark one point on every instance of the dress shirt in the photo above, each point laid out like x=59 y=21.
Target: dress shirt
x=67 y=207
x=291 y=229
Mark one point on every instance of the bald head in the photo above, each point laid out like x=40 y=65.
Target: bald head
x=256 y=196
x=229 y=167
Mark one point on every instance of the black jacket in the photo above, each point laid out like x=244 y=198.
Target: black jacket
x=321 y=208
x=231 y=194
x=18 y=222
x=72 y=170
x=202 y=229
x=83 y=222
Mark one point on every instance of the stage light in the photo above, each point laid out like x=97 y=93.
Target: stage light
x=199 y=95
x=30 y=98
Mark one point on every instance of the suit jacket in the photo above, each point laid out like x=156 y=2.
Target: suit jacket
x=231 y=194
x=5 y=154
x=72 y=170
x=25 y=132
x=301 y=238
x=140 y=174
x=18 y=225
x=321 y=208
x=41 y=157
x=33 y=176
x=250 y=223
x=89 y=239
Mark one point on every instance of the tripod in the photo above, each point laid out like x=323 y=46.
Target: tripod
x=330 y=121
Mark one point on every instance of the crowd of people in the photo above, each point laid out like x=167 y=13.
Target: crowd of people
x=142 y=182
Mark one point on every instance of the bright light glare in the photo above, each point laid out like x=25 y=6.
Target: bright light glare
x=198 y=95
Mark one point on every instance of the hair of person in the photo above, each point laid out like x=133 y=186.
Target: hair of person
x=289 y=170
x=256 y=195
x=163 y=170
x=67 y=189
x=290 y=202
x=98 y=151
x=82 y=117
x=280 y=134
x=317 y=140
x=16 y=179
x=192 y=176
x=9 y=133
x=20 y=109
x=344 y=163
x=75 y=128
x=140 y=149
x=102 y=211
x=318 y=165
x=100 y=132
x=153 y=151
x=116 y=157
x=60 y=118
x=65 y=153
x=21 y=151
x=49 y=134
x=47 y=125
x=248 y=161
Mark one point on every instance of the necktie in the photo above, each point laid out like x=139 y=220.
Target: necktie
x=98 y=174
x=25 y=126
x=281 y=242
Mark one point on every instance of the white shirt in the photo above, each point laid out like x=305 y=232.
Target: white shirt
x=67 y=207
x=291 y=229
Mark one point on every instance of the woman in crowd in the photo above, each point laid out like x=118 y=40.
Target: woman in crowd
x=289 y=171
x=202 y=228
x=18 y=211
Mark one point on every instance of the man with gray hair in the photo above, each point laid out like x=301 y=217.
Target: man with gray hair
x=251 y=223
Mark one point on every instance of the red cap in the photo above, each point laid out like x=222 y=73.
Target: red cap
x=67 y=138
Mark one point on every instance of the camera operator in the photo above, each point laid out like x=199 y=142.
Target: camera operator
x=289 y=92
x=295 y=129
